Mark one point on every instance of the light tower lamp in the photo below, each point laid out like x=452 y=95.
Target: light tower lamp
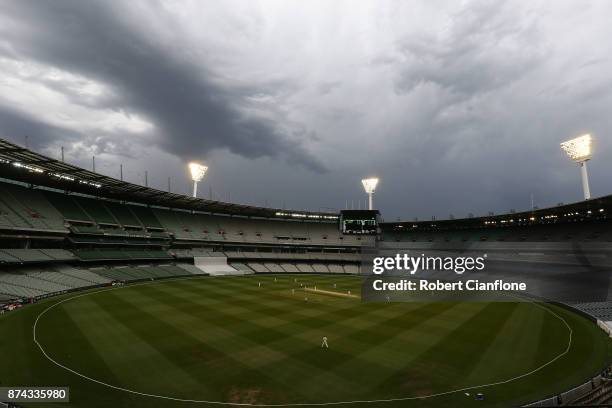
x=197 y=171
x=369 y=184
x=580 y=150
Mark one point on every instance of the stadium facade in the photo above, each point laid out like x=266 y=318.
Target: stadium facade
x=64 y=228
x=63 y=218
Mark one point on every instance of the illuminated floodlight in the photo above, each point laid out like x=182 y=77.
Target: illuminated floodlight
x=369 y=185
x=580 y=150
x=197 y=171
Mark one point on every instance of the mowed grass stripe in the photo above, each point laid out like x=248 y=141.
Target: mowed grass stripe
x=131 y=359
x=511 y=340
x=358 y=330
x=189 y=357
x=418 y=336
x=271 y=345
x=289 y=319
x=309 y=329
x=234 y=301
x=369 y=351
x=264 y=302
x=74 y=348
x=203 y=324
x=445 y=365
x=15 y=330
x=549 y=344
x=234 y=367
x=313 y=338
x=234 y=323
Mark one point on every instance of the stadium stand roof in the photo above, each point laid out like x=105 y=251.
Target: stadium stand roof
x=24 y=165
x=594 y=209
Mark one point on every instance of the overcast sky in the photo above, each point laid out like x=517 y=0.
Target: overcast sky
x=458 y=107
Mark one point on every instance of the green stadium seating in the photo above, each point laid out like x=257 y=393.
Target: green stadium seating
x=190 y=269
x=258 y=267
x=146 y=216
x=241 y=267
x=90 y=278
x=28 y=255
x=67 y=207
x=30 y=283
x=123 y=214
x=19 y=256
x=96 y=210
x=59 y=254
x=137 y=222
x=7 y=258
x=143 y=272
x=31 y=206
x=113 y=254
x=287 y=267
x=86 y=229
x=10 y=218
x=159 y=234
x=304 y=267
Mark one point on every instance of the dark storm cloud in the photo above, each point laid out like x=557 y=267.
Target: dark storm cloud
x=493 y=109
x=42 y=136
x=458 y=106
x=17 y=126
x=191 y=111
x=485 y=47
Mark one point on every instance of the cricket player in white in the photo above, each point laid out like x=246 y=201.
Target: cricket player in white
x=324 y=343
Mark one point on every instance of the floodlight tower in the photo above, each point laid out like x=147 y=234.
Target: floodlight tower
x=197 y=174
x=580 y=150
x=369 y=184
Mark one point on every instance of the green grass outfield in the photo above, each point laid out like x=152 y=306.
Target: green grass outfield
x=227 y=339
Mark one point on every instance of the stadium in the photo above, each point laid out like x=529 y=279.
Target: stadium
x=287 y=204
x=132 y=296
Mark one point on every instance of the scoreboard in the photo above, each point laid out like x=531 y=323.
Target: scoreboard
x=359 y=222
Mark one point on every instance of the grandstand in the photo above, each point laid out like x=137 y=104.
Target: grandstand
x=56 y=214
x=63 y=229
x=586 y=221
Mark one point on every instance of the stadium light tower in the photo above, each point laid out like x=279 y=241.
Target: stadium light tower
x=580 y=150
x=369 y=184
x=197 y=174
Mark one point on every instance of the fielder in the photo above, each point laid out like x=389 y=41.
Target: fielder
x=324 y=342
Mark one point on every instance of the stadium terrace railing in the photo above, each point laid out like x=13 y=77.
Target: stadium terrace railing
x=567 y=397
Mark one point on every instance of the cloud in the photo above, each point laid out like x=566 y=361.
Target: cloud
x=48 y=138
x=482 y=47
x=18 y=126
x=458 y=106
x=192 y=109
